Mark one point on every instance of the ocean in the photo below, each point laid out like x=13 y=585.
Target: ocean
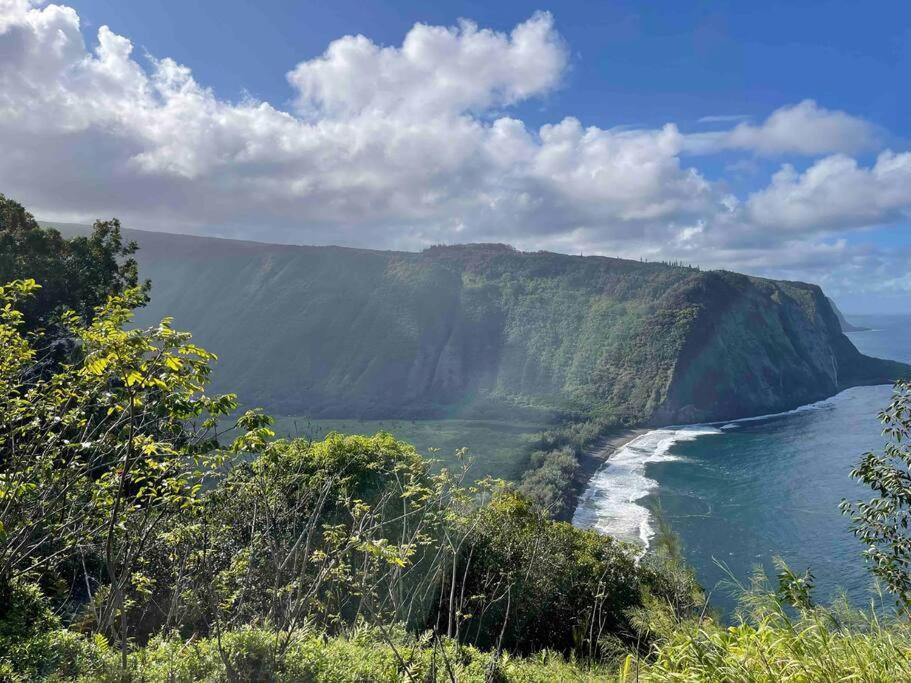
x=739 y=493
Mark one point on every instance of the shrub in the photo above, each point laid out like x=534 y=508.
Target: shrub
x=324 y=533
x=77 y=274
x=96 y=454
x=882 y=522
x=33 y=645
x=524 y=582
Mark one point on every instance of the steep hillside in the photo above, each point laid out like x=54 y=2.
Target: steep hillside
x=845 y=325
x=759 y=346
x=486 y=330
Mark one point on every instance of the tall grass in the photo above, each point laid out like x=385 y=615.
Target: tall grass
x=774 y=641
x=769 y=643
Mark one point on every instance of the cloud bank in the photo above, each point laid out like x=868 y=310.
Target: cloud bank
x=409 y=145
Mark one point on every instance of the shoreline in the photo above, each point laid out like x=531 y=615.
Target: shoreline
x=592 y=460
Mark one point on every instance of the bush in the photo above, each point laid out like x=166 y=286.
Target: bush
x=554 y=461
x=549 y=478
x=97 y=454
x=77 y=274
x=882 y=522
x=524 y=582
x=33 y=645
x=325 y=532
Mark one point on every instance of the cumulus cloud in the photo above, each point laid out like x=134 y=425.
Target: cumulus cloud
x=389 y=144
x=402 y=146
x=436 y=71
x=803 y=129
x=835 y=192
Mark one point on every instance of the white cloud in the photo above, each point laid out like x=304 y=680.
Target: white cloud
x=401 y=146
x=804 y=128
x=436 y=71
x=391 y=145
x=835 y=192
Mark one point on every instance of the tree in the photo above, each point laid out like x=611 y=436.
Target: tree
x=525 y=582
x=328 y=533
x=882 y=522
x=96 y=454
x=76 y=274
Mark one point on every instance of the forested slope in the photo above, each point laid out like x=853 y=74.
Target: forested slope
x=484 y=329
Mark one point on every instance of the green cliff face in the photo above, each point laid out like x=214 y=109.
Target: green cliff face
x=486 y=330
x=759 y=346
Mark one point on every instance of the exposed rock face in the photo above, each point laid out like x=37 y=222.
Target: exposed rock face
x=486 y=330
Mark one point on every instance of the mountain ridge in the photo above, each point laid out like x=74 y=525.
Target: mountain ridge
x=484 y=329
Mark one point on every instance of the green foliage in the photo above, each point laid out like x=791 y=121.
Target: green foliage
x=531 y=583
x=487 y=332
x=116 y=490
x=26 y=614
x=882 y=522
x=381 y=655
x=671 y=594
x=491 y=448
x=548 y=479
x=551 y=470
x=324 y=533
x=75 y=274
x=33 y=645
x=795 y=590
x=96 y=454
x=772 y=642
x=584 y=346
x=135 y=546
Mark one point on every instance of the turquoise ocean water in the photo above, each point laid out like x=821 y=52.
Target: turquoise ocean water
x=739 y=493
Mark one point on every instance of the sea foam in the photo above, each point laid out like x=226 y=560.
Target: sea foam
x=610 y=503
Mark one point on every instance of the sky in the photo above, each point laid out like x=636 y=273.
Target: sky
x=770 y=138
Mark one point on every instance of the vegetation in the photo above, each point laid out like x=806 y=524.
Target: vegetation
x=469 y=334
x=554 y=461
x=774 y=640
x=148 y=532
x=125 y=523
x=487 y=332
x=491 y=448
x=542 y=459
x=76 y=274
x=98 y=454
x=882 y=523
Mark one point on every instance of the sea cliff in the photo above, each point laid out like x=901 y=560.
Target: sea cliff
x=487 y=330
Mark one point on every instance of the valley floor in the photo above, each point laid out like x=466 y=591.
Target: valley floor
x=495 y=448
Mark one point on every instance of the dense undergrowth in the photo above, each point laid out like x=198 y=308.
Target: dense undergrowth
x=770 y=641
x=554 y=459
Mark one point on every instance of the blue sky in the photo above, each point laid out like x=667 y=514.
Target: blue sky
x=633 y=63
x=586 y=130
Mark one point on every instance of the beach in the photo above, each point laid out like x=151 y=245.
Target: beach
x=592 y=460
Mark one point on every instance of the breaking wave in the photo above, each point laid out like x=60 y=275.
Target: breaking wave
x=610 y=503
